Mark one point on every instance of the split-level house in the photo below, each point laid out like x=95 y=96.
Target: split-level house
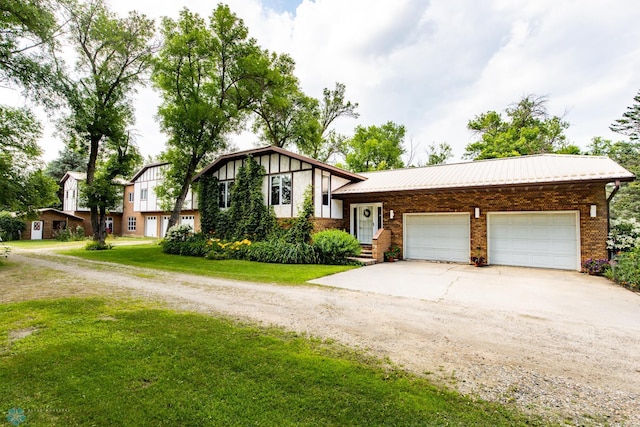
x=71 y=184
x=287 y=176
x=546 y=210
x=143 y=213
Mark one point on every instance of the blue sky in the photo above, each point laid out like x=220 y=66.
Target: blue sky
x=281 y=6
x=433 y=65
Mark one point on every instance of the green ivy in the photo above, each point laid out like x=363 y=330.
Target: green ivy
x=247 y=217
x=208 y=196
x=302 y=226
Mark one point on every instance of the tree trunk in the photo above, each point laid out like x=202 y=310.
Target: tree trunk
x=91 y=173
x=177 y=208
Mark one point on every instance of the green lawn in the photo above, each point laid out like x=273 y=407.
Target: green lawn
x=151 y=256
x=104 y=362
x=52 y=244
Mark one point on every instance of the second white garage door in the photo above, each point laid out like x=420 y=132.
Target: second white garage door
x=543 y=239
x=437 y=237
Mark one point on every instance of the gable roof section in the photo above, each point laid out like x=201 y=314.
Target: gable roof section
x=523 y=170
x=59 y=212
x=144 y=168
x=78 y=176
x=82 y=176
x=273 y=149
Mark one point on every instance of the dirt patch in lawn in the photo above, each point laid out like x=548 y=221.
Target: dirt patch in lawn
x=582 y=373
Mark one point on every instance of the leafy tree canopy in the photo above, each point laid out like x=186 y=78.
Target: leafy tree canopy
x=210 y=76
x=23 y=188
x=375 y=148
x=527 y=129
x=113 y=55
x=68 y=160
x=27 y=27
x=439 y=154
x=629 y=124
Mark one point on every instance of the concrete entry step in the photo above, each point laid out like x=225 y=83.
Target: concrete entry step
x=364 y=261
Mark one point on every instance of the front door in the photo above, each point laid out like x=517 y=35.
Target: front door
x=366 y=223
x=108 y=224
x=36 y=230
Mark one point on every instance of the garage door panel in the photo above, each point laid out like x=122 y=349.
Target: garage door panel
x=545 y=239
x=437 y=237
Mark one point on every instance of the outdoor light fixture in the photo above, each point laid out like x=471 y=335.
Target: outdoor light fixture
x=477 y=212
x=593 y=211
x=391 y=214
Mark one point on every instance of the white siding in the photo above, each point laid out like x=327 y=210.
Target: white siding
x=301 y=181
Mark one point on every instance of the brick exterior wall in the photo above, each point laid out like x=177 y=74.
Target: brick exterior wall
x=321 y=224
x=48 y=228
x=593 y=231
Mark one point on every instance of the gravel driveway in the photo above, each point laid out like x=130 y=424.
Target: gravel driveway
x=563 y=355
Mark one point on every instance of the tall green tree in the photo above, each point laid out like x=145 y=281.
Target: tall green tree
x=283 y=110
x=113 y=55
x=210 y=76
x=439 y=154
x=376 y=148
x=68 y=160
x=27 y=31
x=626 y=203
x=23 y=187
x=321 y=141
x=527 y=129
x=629 y=123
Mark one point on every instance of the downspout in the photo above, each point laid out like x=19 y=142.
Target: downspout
x=613 y=193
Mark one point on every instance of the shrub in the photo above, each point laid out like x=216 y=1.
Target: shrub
x=179 y=233
x=183 y=242
x=626 y=269
x=10 y=226
x=97 y=246
x=67 y=235
x=281 y=252
x=624 y=235
x=596 y=267
x=334 y=246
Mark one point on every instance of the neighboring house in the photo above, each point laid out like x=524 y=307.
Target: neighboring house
x=71 y=184
x=288 y=175
x=49 y=222
x=535 y=211
x=143 y=214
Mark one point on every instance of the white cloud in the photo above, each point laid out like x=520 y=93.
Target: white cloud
x=433 y=65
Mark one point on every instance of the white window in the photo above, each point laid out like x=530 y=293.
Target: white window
x=224 y=188
x=281 y=189
x=131 y=196
x=143 y=194
x=325 y=188
x=131 y=223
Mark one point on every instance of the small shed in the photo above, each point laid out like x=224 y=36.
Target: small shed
x=49 y=223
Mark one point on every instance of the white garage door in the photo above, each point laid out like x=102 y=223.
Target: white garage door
x=151 y=226
x=437 y=237
x=545 y=239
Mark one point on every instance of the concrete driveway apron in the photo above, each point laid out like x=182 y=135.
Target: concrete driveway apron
x=526 y=291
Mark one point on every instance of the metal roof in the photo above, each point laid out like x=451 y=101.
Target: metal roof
x=537 y=169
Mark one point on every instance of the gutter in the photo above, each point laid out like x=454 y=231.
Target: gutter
x=616 y=188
